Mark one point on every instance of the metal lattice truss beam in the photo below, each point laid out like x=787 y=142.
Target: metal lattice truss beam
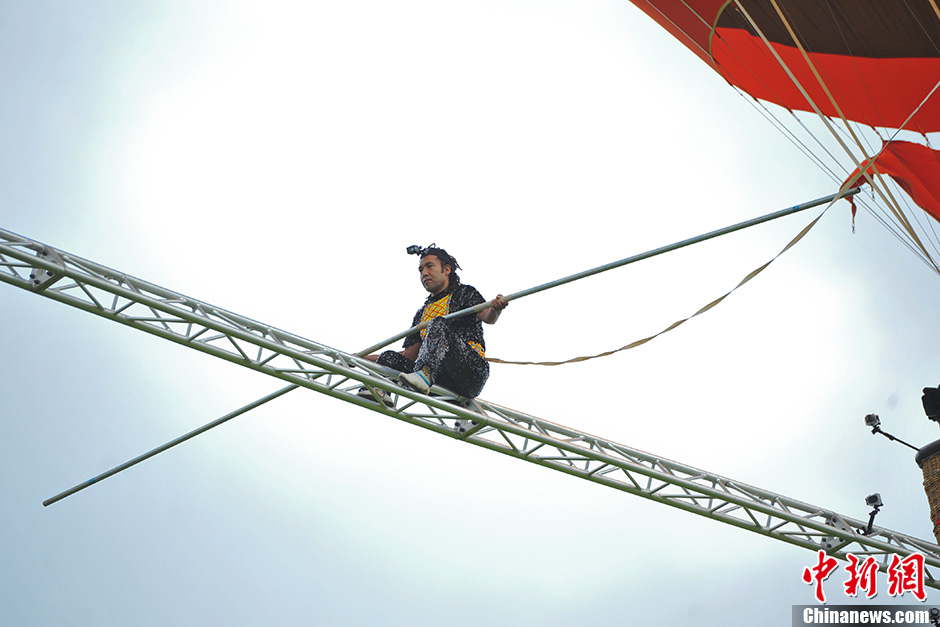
x=97 y=289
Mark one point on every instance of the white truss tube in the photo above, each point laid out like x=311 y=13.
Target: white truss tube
x=111 y=294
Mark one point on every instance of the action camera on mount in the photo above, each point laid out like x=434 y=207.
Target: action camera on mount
x=414 y=249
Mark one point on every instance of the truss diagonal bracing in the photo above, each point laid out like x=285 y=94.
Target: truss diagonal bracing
x=111 y=294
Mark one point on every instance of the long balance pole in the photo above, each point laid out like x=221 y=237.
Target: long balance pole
x=463 y=312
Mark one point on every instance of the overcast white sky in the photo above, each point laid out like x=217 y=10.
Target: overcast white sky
x=275 y=159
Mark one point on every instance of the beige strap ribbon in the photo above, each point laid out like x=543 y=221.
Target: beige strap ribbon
x=748 y=277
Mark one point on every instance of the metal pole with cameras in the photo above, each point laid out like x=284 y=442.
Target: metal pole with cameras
x=927 y=457
x=874 y=421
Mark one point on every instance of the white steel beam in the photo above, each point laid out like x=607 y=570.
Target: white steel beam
x=114 y=295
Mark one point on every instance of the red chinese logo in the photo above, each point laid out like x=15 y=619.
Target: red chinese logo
x=904 y=575
x=819 y=573
x=861 y=575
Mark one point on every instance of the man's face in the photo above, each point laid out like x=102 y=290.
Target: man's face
x=434 y=276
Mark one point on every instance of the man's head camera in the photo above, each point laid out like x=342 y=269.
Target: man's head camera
x=445 y=257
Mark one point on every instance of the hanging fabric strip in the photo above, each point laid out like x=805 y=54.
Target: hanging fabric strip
x=915 y=167
x=640 y=342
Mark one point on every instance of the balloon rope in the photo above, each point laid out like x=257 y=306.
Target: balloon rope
x=899 y=219
x=893 y=215
x=861 y=169
x=894 y=205
x=802 y=90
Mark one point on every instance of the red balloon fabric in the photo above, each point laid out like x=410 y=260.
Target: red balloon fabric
x=879 y=60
